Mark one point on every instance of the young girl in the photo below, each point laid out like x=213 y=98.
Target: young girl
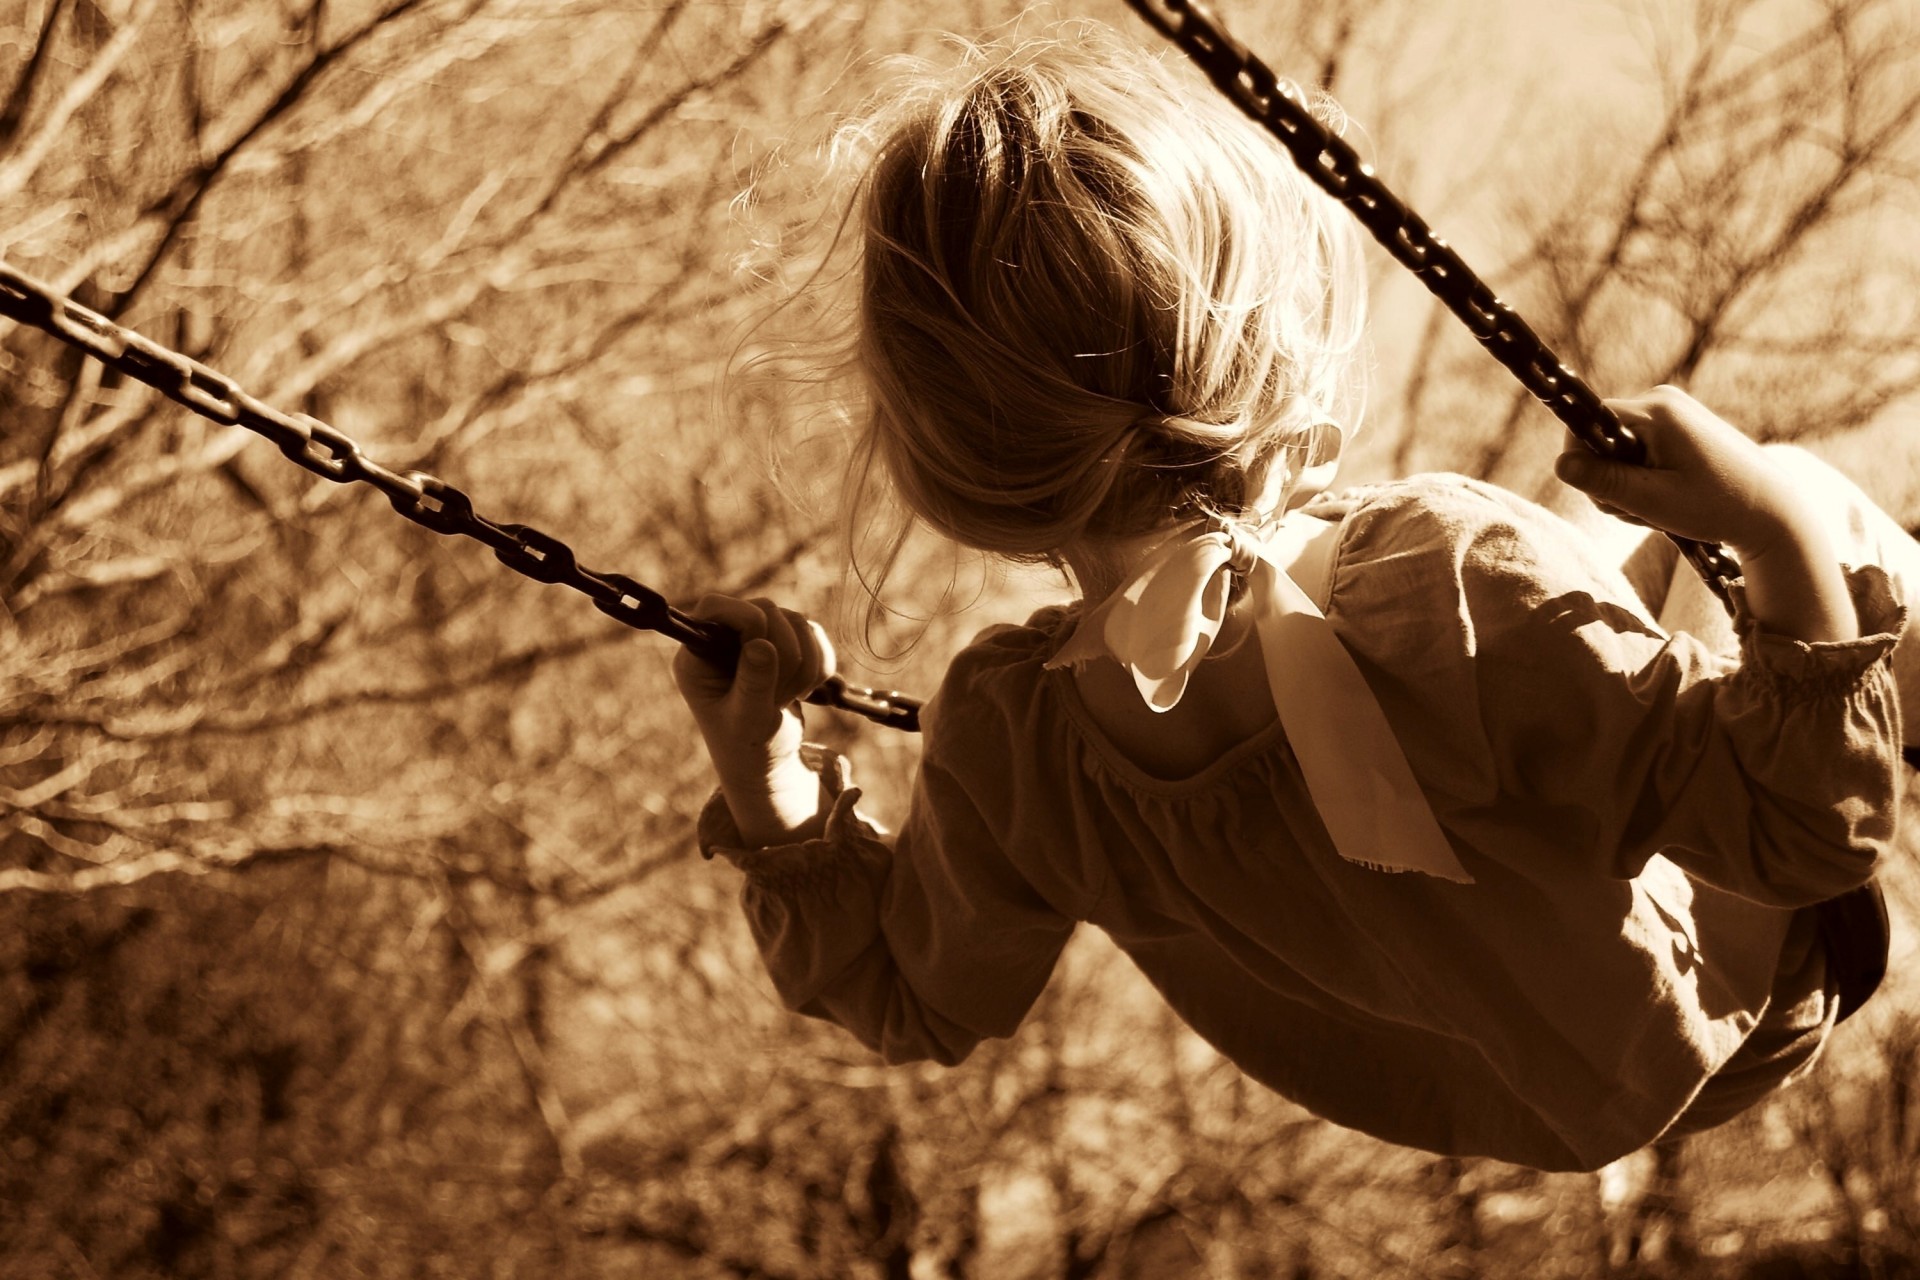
x=1404 y=801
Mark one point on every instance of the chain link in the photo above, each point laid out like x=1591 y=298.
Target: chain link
x=1337 y=169
x=426 y=500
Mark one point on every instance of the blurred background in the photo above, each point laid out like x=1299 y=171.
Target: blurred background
x=350 y=923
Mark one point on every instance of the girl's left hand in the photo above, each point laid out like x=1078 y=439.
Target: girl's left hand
x=1704 y=478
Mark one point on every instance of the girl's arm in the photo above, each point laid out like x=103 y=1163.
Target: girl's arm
x=1706 y=480
x=1562 y=733
x=921 y=945
x=1819 y=798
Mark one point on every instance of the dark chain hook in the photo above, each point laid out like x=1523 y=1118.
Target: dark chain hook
x=1338 y=170
x=427 y=500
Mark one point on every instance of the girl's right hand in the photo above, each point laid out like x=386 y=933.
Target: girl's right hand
x=753 y=711
x=750 y=716
x=1704 y=479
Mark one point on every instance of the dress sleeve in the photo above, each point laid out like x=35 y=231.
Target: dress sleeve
x=921 y=946
x=1567 y=724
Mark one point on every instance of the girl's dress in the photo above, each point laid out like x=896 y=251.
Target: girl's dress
x=1645 y=820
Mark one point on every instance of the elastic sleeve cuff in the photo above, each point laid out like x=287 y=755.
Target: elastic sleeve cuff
x=1801 y=669
x=804 y=862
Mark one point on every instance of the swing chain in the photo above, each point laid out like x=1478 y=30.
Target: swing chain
x=1337 y=169
x=424 y=499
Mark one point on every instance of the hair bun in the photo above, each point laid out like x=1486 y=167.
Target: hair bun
x=1059 y=243
x=1181 y=427
x=1170 y=441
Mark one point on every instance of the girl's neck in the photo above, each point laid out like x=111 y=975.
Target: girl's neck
x=1100 y=569
x=1226 y=702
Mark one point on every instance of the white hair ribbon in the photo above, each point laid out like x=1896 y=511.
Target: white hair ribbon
x=1160 y=626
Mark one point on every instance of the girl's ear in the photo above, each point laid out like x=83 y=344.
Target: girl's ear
x=1325 y=441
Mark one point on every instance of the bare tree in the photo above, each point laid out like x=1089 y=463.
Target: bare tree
x=1736 y=244
x=347 y=918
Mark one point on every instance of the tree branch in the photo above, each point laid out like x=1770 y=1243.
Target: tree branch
x=17 y=171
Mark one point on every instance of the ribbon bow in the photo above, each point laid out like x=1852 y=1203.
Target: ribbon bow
x=1161 y=625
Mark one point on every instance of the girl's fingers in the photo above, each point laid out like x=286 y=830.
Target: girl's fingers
x=779 y=633
x=1644 y=417
x=1652 y=495
x=705 y=681
x=755 y=680
x=742 y=615
x=776 y=626
x=1670 y=423
x=1634 y=411
x=806 y=656
x=1571 y=444
x=825 y=661
x=783 y=655
x=802 y=658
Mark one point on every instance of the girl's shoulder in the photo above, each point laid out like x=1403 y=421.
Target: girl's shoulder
x=1449 y=534
x=994 y=683
x=1430 y=519
x=1439 y=506
x=1413 y=552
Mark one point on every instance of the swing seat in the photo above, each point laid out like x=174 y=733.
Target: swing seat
x=1858 y=936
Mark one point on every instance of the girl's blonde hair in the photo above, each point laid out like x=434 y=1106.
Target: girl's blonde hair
x=1090 y=302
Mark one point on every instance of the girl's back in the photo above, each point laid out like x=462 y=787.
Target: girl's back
x=1581 y=996
x=1226 y=704
x=1534 y=887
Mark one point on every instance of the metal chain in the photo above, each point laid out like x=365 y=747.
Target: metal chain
x=424 y=499
x=1337 y=169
